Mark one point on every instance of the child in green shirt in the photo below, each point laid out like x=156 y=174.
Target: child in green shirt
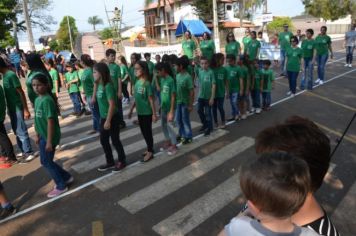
x=245 y=88
x=125 y=77
x=267 y=80
x=293 y=64
x=255 y=87
x=207 y=86
x=85 y=107
x=167 y=89
x=235 y=83
x=222 y=87
x=72 y=81
x=48 y=134
x=106 y=96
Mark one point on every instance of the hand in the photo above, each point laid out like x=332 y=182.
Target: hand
x=49 y=147
x=227 y=96
x=154 y=118
x=107 y=125
x=93 y=100
x=332 y=56
x=170 y=116
x=129 y=115
x=211 y=101
x=190 y=108
x=27 y=114
x=37 y=140
x=119 y=95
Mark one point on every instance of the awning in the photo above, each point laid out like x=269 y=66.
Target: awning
x=196 y=27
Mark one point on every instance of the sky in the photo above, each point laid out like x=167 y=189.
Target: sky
x=82 y=9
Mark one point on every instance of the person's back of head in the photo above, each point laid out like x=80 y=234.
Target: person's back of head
x=301 y=138
x=275 y=185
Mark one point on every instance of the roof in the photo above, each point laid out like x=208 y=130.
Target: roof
x=154 y=5
x=196 y=27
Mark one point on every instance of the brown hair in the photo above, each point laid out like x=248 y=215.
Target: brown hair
x=301 y=138
x=276 y=183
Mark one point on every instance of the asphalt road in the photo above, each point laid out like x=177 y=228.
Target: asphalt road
x=195 y=192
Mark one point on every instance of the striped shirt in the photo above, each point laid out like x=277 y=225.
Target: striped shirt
x=323 y=226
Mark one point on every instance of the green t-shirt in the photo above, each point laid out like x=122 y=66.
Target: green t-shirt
x=11 y=82
x=88 y=81
x=151 y=67
x=80 y=85
x=143 y=90
x=322 y=43
x=30 y=92
x=220 y=75
x=2 y=105
x=45 y=109
x=103 y=95
x=284 y=39
x=184 y=86
x=115 y=72
x=133 y=77
x=168 y=88
x=257 y=78
x=232 y=48
x=233 y=76
x=268 y=77
x=190 y=70
x=252 y=49
x=294 y=56
x=70 y=76
x=124 y=71
x=308 y=46
x=188 y=47
x=246 y=40
x=244 y=74
x=206 y=80
x=207 y=48
x=54 y=76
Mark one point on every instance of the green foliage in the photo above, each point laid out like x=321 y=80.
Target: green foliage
x=204 y=9
x=277 y=24
x=53 y=44
x=63 y=34
x=106 y=34
x=95 y=20
x=8 y=40
x=330 y=9
x=6 y=15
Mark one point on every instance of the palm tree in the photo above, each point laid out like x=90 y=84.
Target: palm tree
x=95 y=20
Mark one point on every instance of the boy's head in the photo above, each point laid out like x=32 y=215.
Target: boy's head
x=266 y=64
x=158 y=58
x=110 y=55
x=259 y=34
x=253 y=34
x=182 y=63
x=276 y=184
x=204 y=63
x=147 y=56
x=231 y=59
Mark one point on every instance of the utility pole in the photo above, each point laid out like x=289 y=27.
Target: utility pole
x=28 y=26
x=117 y=20
x=216 y=26
x=165 y=14
x=70 y=35
x=265 y=11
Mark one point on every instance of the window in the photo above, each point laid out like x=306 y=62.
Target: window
x=228 y=8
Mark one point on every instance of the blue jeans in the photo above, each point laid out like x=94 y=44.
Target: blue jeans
x=167 y=128
x=322 y=59
x=219 y=104
x=292 y=79
x=20 y=129
x=256 y=98
x=233 y=103
x=349 y=54
x=95 y=113
x=204 y=112
x=266 y=99
x=183 y=120
x=308 y=74
x=58 y=174
x=283 y=61
x=76 y=102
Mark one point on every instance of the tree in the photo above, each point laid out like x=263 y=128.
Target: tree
x=7 y=14
x=277 y=24
x=62 y=34
x=106 y=34
x=331 y=9
x=95 y=20
x=204 y=9
x=6 y=41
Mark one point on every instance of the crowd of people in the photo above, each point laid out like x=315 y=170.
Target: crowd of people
x=100 y=89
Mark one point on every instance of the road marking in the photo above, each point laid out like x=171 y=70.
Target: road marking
x=95 y=162
x=97 y=228
x=128 y=174
x=158 y=190
x=192 y=215
x=337 y=133
x=331 y=101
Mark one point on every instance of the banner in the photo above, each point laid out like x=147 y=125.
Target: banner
x=269 y=52
x=173 y=49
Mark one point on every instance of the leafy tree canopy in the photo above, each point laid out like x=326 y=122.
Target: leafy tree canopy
x=277 y=24
x=62 y=34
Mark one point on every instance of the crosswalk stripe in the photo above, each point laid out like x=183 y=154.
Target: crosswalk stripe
x=92 y=163
x=192 y=215
x=128 y=174
x=178 y=179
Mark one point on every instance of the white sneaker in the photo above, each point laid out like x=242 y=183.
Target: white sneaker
x=258 y=110
x=244 y=117
x=317 y=81
x=292 y=95
x=252 y=110
x=321 y=82
x=346 y=65
x=289 y=93
x=350 y=65
x=19 y=155
x=29 y=157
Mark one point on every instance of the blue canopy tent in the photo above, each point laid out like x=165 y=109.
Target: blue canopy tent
x=196 y=27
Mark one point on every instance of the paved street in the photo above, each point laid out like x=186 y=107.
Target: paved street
x=196 y=191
